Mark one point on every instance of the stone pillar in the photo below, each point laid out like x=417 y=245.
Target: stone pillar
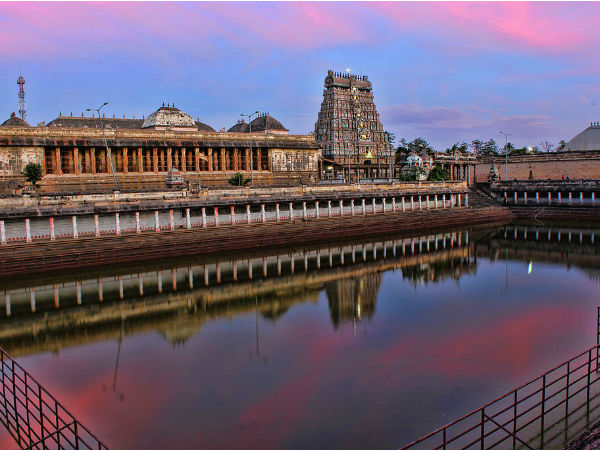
x=140 y=160
x=525 y=197
x=570 y=197
x=232 y=209
x=117 y=224
x=549 y=198
x=58 y=161
x=559 y=197
x=328 y=208
x=74 y=220
x=516 y=198
x=93 y=160
x=304 y=210
x=364 y=208
x=459 y=197
x=248 y=218
x=27 y=230
x=259 y=159
x=197 y=159
x=393 y=204
x=96 y=226
x=341 y=208
x=203 y=217
x=52 y=235
x=223 y=162
x=169 y=159
x=171 y=220
x=236 y=159
x=76 y=162
x=188 y=219
x=317 y=209
x=138 y=229
x=383 y=203
x=216 y=208
x=427 y=201
x=291 y=211
x=156 y=222
x=210 y=160
x=247 y=161
x=373 y=205
x=466 y=200
x=183 y=160
x=277 y=212
x=435 y=199
x=412 y=203
x=263 y=217
x=352 y=206
x=125 y=159
x=155 y=160
x=403 y=204
x=109 y=165
x=420 y=203
x=2 y=233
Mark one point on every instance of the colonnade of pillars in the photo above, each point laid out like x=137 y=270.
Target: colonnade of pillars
x=93 y=160
x=320 y=209
x=551 y=234
x=215 y=273
x=550 y=198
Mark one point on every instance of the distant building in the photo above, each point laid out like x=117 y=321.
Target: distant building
x=587 y=140
x=349 y=129
x=74 y=157
x=264 y=123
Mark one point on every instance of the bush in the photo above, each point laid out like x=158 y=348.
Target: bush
x=33 y=173
x=438 y=174
x=238 y=180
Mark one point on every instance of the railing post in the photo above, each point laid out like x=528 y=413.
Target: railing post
x=156 y=222
x=352 y=206
x=248 y=218
x=117 y=224
x=74 y=220
x=277 y=216
x=304 y=210
x=482 y=438
x=27 y=230
x=203 y=217
x=291 y=211
x=262 y=213
x=188 y=219
x=171 y=220
x=567 y=389
x=341 y=208
x=96 y=225
x=2 y=233
x=51 y=222
x=317 y=209
x=514 y=433
x=216 y=213
x=543 y=404
x=138 y=229
x=328 y=208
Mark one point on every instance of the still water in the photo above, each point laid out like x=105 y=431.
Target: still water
x=352 y=345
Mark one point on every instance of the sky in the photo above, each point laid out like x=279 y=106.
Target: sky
x=444 y=71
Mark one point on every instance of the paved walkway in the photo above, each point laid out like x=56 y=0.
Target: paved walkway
x=590 y=440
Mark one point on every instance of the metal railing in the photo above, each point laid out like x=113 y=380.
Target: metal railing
x=33 y=417
x=532 y=416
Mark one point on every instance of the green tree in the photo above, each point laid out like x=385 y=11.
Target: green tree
x=391 y=137
x=238 y=180
x=420 y=146
x=33 y=173
x=489 y=148
x=477 y=146
x=461 y=149
x=412 y=174
x=561 y=145
x=438 y=174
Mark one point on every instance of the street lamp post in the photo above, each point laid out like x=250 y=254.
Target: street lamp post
x=249 y=116
x=506 y=135
x=112 y=169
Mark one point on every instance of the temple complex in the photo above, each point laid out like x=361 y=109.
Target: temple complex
x=349 y=130
x=140 y=152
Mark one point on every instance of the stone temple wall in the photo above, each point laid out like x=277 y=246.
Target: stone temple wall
x=576 y=165
x=294 y=161
x=14 y=159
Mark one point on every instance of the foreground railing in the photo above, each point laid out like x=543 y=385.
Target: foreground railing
x=33 y=417
x=527 y=416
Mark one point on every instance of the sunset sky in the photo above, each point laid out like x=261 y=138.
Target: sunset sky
x=446 y=71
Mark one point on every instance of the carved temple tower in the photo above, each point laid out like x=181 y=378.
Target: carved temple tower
x=349 y=130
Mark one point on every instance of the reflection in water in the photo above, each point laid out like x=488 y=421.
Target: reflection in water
x=353 y=299
x=169 y=342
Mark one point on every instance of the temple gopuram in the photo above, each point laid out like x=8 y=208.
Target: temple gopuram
x=355 y=145
x=139 y=153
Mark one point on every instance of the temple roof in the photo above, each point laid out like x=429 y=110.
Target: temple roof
x=240 y=127
x=203 y=127
x=265 y=123
x=588 y=139
x=169 y=116
x=94 y=122
x=14 y=121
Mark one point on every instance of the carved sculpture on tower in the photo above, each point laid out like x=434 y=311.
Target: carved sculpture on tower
x=349 y=129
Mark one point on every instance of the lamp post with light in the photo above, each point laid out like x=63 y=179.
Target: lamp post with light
x=112 y=169
x=506 y=135
x=249 y=116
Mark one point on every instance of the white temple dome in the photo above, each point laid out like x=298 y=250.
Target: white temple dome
x=169 y=117
x=588 y=139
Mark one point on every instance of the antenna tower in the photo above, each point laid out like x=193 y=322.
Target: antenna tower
x=21 y=82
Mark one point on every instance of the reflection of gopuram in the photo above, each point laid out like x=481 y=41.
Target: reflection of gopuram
x=353 y=299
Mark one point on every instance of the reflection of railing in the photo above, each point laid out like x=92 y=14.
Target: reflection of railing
x=525 y=416
x=34 y=418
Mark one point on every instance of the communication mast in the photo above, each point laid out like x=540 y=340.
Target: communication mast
x=21 y=82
